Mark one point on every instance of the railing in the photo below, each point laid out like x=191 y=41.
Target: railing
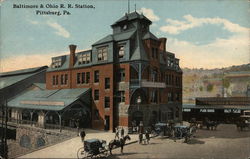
x=146 y=83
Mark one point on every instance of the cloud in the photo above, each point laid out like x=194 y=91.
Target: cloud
x=149 y=13
x=27 y=61
x=59 y=29
x=189 y=22
x=217 y=54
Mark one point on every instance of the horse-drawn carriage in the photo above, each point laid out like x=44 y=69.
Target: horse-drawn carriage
x=93 y=148
x=174 y=131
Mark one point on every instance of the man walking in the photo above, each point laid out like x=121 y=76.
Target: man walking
x=116 y=133
x=122 y=132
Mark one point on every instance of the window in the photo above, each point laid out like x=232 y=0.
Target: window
x=87 y=77
x=153 y=52
x=169 y=97
x=96 y=95
x=107 y=102
x=121 y=75
x=56 y=62
x=107 y=83
x=96 y=74
x=103 y=54
x=64 y=79
x=84 y=58
x=153 y=96
x=121 y=96
x=83 y=78
x=78 y=78
x=154 y=75
x=56 y=79
x=121 y=51
x=124 y=27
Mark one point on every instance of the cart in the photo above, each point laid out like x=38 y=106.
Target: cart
x=93 y=148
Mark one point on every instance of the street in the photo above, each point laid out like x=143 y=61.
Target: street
x=224 y=143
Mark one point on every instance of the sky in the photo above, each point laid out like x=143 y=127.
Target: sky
x=202 y=33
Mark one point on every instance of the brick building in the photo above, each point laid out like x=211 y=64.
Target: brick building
x=129 y=76
x=126 y=67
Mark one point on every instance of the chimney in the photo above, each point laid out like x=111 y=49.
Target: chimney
x=72 y=57
x=163 y=43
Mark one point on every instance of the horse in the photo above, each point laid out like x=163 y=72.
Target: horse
x=211 y=124
x=118 y=143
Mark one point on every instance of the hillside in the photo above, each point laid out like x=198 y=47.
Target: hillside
x=230 y=81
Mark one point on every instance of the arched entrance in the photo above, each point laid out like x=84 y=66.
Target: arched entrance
x=76 y=116
x=137 y=117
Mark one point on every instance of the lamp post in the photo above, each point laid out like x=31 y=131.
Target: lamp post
x=138 y=102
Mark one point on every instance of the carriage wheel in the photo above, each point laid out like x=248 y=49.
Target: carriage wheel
x=81 y=153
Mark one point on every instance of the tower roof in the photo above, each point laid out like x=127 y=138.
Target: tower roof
x=130 y=17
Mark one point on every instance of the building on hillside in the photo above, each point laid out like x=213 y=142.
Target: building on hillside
x=126 y=76
x=223 y=109
x=237 y=83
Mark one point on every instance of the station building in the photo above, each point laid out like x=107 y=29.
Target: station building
x=126 y=76
x=222 y=109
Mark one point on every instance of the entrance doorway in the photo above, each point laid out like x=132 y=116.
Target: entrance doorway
x=137 y=117
x=106 y=124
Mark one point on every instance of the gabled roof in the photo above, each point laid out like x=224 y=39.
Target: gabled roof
x=47 y=99
x=130 y=17
x=23 y=71
x=116 y=37
x=149 y=35
x=10 y=78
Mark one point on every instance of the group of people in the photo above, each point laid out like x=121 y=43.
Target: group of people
x=119 y=133
x=144 y=137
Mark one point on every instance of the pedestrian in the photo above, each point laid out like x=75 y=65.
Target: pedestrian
x=116 y=133
x=147 y=136
x=77 y=123
x=82 y=135
x=140 y=138
x=122 y=132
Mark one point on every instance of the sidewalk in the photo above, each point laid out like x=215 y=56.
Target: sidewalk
x=68 y=148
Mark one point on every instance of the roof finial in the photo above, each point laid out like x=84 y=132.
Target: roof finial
x=135 y=7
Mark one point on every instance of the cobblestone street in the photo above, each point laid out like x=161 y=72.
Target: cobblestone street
x=224 y=143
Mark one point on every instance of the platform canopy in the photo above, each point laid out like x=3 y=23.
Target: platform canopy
x=51 y=100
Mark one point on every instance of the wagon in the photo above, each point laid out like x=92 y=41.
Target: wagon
x=93 y=148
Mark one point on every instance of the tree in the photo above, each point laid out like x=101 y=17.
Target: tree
x=226 y=83
x=210 y=87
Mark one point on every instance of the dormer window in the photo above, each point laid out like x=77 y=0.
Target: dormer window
x=125 y=27
x=121 y=51
x=84 y=58
x=56 y=62
x=102 y=53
